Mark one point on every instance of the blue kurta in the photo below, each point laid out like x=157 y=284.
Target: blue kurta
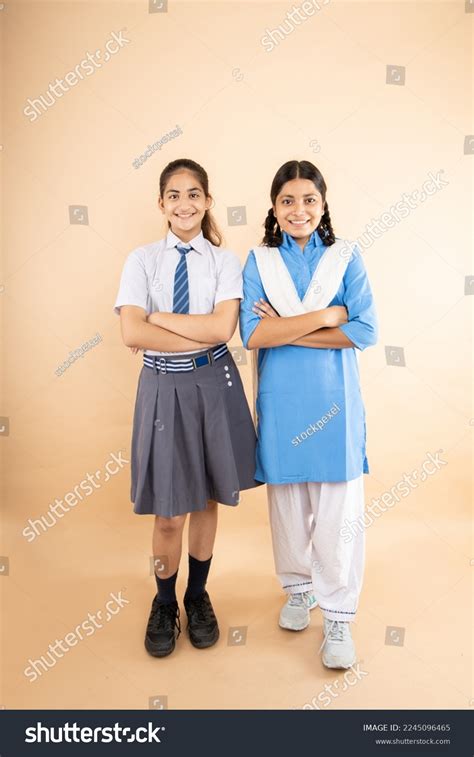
x=311 y=417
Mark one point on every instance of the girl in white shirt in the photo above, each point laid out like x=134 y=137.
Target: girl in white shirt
x=193 y=440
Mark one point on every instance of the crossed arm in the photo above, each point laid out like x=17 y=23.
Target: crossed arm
x=351 y=324
x=176 y=332
x=318 y=328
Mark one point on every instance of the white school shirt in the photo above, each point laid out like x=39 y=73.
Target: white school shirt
x=147 y=280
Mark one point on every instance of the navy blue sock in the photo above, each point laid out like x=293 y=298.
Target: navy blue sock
x=198 y=573
x=166 y=589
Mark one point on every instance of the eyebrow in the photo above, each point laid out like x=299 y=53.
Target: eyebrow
x=310 y=194
x=176 y=191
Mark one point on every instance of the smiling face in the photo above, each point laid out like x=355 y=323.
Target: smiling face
x=298 y=208
x=184 y=204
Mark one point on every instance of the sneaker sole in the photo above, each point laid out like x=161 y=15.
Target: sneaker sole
x=158 y=652
x=293 y=627
x=203 y=644
x=333 y=665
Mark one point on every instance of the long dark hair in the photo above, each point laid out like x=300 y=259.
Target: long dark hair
x=297 y=169
x=210 y=229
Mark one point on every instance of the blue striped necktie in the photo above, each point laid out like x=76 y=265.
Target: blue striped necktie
x=181 y=283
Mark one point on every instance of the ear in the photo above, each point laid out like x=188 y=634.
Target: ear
x=209 y=202
x=161 y=204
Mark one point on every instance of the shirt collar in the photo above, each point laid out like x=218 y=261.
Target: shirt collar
x=290 y=243
x=198 y=243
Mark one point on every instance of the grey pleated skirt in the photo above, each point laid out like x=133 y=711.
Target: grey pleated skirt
x=193 y=439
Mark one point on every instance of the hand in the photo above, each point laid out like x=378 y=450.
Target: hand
x=336 y=316
x=264 y=309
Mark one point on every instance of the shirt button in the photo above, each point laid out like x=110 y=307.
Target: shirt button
x=227 y=375
x=226 y=367
x=229 y=383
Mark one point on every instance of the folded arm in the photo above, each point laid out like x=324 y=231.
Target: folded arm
x=139 y=334
x=274 y=332
x=218 y=326
x=333 y=338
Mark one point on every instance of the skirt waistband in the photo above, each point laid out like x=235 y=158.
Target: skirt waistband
x=161 y=364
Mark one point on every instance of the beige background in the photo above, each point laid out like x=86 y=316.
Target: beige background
x=321 y=95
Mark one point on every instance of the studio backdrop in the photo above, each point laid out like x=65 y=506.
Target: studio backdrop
x=97 y=98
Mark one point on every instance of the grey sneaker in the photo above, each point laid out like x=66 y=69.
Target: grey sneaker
x=294 y=614
x=339 y=650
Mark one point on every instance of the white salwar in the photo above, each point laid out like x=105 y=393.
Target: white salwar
x=309 y=550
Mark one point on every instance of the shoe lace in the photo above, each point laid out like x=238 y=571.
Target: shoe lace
x=165 y=615
x=336 y=632
x=202 y=609
x=298 y=600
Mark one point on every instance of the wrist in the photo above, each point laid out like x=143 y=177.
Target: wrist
x=322 y=319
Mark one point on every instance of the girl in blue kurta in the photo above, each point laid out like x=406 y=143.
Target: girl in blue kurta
x=307 y=307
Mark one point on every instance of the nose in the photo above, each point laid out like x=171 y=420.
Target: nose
x=299 y=209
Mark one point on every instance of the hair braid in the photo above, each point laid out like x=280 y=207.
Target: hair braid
x=273 y=236
x=325 y=229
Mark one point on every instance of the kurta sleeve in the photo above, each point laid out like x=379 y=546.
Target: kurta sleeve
x=362 y=327
x=253 y=290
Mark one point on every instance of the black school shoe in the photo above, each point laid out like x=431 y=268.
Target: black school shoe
x=163 y=628
x=203 y=629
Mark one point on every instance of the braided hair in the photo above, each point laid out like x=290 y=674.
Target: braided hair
x=209 y=226
x=297 y=169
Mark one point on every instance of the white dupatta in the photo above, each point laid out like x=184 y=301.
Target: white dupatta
x=283 y=296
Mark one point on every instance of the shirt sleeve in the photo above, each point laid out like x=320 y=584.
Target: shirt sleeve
x=133 y=289
x=253 y=290
x=229 y=280
x=362 y=327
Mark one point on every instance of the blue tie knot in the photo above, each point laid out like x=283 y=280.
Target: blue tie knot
x=183 y=249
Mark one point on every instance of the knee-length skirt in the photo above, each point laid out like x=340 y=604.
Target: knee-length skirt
x=193 y=439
